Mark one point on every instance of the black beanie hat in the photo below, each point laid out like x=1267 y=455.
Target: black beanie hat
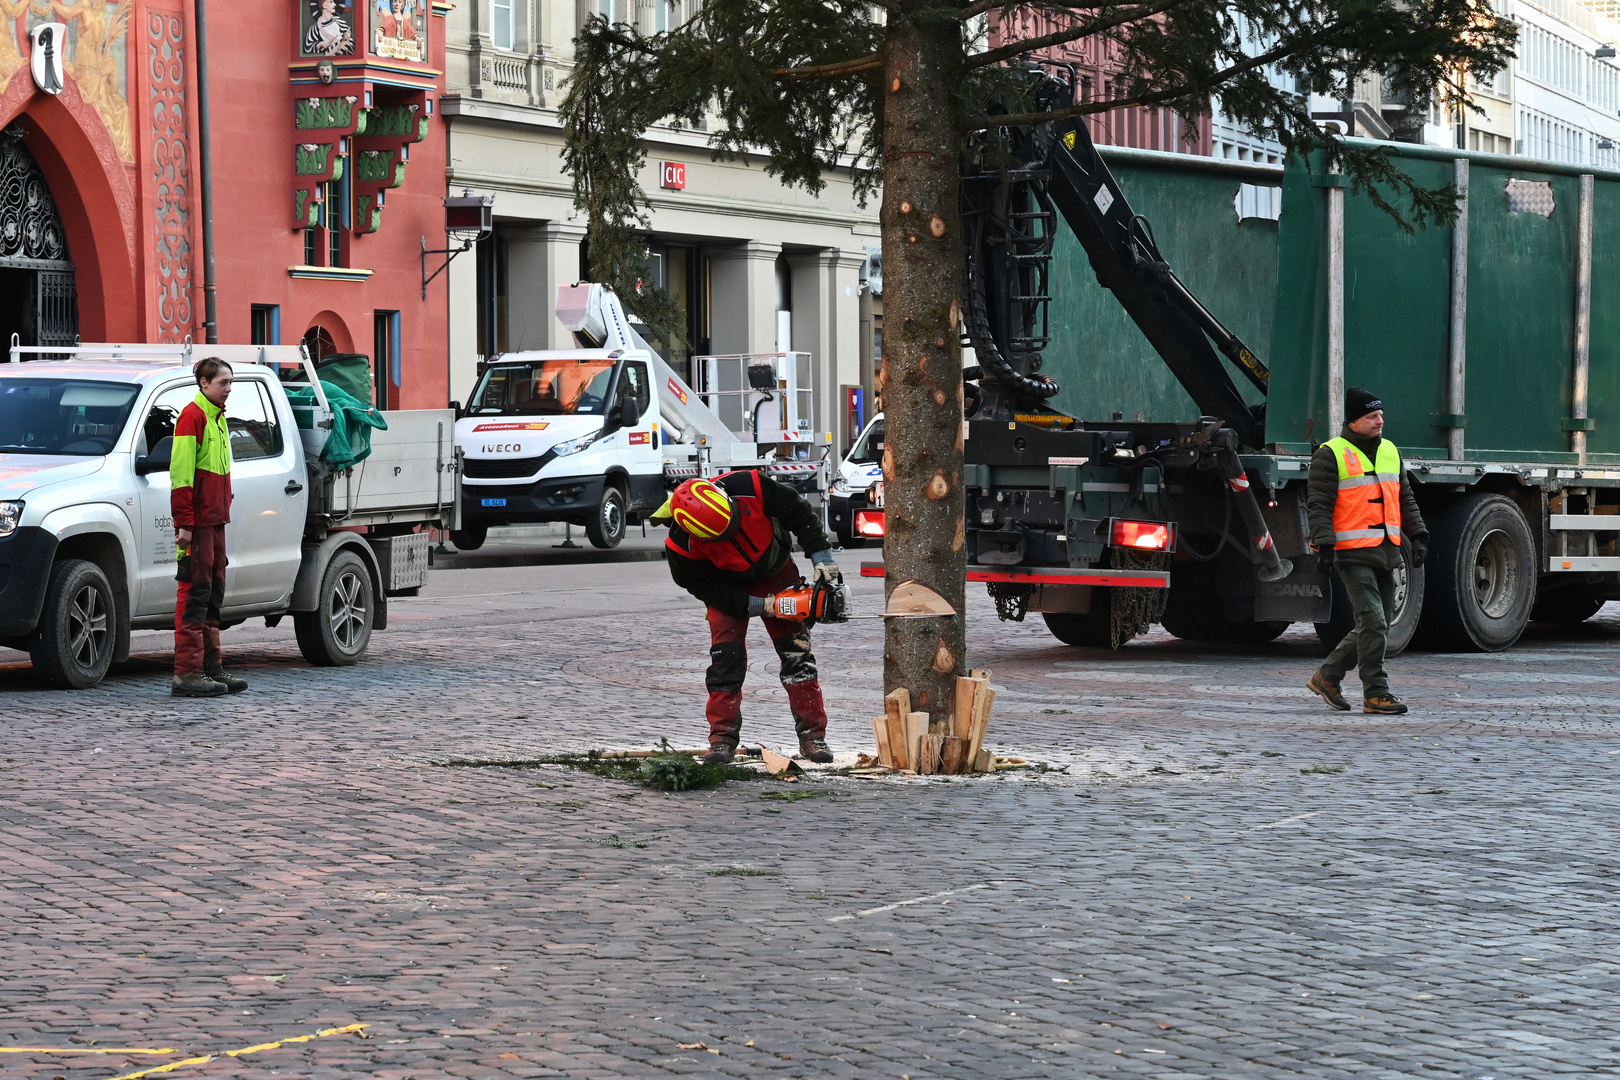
x=1358 y=402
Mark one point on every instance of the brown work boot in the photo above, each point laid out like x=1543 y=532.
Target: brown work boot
x=720 y=754
x=1386 y=703
x=1328 y=691
x=196 y=684
x=815 y=749
x=232 y=683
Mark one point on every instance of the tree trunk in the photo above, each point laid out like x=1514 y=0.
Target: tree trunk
x=921 y=376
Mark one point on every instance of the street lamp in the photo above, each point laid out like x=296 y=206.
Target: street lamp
x=1604 y=52
x=468 y=218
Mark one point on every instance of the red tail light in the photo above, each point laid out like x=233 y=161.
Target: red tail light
x=868 y=523
x=1144 y=535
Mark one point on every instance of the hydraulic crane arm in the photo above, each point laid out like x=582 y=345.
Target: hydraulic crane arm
x=1056 y=167
x=1128 y=264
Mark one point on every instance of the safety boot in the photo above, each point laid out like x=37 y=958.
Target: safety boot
x=815 y=749
x=720 y=754
x=1328 y=691
x=1386 y=703
x=196 y=684
x=217 y=672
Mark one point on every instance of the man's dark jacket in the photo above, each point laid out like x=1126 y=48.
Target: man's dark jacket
x=792 y=518
x=1322 y=495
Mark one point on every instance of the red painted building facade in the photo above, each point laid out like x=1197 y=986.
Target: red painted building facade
x=327 y=174
x=1099 y=69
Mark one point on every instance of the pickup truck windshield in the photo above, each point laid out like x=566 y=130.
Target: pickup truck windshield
x=62 y=416
x=550 y=387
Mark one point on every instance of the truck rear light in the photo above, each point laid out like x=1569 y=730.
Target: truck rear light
x=1144 y=535
x=869 y=523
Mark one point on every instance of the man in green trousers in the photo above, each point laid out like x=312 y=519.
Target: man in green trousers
x=1362 y=514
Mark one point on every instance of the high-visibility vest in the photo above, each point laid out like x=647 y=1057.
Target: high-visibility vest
x=1369 y=506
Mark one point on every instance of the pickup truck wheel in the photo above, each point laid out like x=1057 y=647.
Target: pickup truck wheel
x=73 y=645
x=606 y=527
x=1570 y=605
x=337 y=632
x=1409 y=587
x=1482 y=575
x=471 y=538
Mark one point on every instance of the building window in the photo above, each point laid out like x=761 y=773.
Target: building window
x=668 y=15
x=385 y=357
x=312 y=247
x=607 y=9
x=500 y=23
x=265 y=324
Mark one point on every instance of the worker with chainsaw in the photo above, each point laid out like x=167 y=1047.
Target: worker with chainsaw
x=1364 y=524
x=730 y=545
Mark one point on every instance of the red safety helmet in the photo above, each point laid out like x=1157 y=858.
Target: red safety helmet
x=703 y=510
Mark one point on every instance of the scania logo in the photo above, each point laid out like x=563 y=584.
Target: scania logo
x=1295 y=590
x=501 y=448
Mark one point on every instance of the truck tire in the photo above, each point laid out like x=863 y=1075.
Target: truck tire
x=337 y=632
x=73 y=644
x=1410 y=583
x=1569 y=605
x=1093 y=630
x=605 y=528
x=470 y=538
x=1482 y=581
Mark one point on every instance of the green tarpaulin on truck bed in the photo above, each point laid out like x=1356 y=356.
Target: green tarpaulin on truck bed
x=353 y=420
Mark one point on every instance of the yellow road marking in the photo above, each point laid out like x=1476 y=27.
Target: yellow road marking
x=238 y=1053
x=79 y=1050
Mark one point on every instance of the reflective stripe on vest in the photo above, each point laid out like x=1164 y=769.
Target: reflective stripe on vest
x=1368 y=510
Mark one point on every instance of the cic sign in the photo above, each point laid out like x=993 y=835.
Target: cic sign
x=672 y=175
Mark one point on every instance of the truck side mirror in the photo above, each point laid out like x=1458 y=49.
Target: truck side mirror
x=629 y=412
x=455 y=407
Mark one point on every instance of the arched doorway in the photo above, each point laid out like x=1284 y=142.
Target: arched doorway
x=38 y=300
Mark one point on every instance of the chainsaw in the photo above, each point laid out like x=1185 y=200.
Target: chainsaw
x=829 y=602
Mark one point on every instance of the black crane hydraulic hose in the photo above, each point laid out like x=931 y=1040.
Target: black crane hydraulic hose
x=990 y=358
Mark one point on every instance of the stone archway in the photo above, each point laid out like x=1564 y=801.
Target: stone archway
x=38 y=295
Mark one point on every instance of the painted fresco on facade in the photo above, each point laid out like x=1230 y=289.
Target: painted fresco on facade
x=400 y=30
x=328 y=27
x=95 y=54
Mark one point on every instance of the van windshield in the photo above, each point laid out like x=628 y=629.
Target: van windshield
x=62 y=416
x=547 y=388
x=869 y=451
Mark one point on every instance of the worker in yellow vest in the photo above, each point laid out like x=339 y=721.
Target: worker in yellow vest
x=1362 y=515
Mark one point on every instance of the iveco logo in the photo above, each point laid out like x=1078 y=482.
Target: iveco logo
x=1294 y=590
x=501 y=448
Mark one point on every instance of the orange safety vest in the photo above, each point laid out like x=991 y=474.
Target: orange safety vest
x=1368 y=510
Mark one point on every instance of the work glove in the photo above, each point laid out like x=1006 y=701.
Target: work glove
x=758 y=605
x=825 y=569
x=1420 y=551
x=1324 y=559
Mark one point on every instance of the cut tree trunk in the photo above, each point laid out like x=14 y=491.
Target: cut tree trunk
x=921 y=377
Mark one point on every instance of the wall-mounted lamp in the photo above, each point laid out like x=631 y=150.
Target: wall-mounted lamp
x=468 y=218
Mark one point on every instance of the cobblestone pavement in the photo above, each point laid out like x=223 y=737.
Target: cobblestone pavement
x=1217 y=876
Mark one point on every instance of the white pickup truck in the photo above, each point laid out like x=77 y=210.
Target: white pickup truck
x=86 y=541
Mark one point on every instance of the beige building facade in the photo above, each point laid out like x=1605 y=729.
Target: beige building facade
x=756 y=266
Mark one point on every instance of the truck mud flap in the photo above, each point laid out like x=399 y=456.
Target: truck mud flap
x=1302 y=596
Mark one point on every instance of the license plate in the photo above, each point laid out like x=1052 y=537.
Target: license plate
x=494 y=502
x=877 y=493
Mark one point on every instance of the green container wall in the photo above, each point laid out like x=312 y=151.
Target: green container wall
x=1098 y=355
x=1521 y=307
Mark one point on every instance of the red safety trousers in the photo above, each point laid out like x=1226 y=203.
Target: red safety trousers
x=728 y=664
x=196 y=608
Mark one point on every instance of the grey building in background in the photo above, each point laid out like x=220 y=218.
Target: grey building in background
x=757 y=266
